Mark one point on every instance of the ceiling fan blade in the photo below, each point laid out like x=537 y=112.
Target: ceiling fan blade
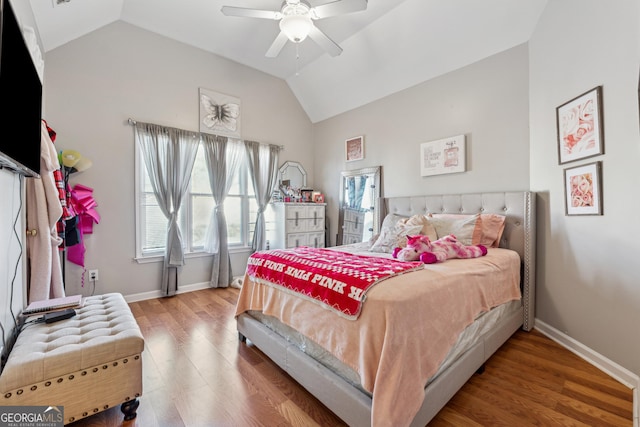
x=251 y=13
x=277 y=45
x=324 y=41
x=338 y=7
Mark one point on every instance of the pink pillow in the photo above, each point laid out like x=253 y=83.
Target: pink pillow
x=487 y=228
x=492 y=229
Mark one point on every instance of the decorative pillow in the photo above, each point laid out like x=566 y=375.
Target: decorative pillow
x=487 y=230
x=461 y=226
x=427 y=228
x=492 y=229
x=391 y=220
x=388 y=224
x=393 y=237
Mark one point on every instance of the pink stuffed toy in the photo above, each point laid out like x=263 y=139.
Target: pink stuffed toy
x=421 y=248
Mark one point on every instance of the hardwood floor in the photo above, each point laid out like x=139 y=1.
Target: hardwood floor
x=197 y=373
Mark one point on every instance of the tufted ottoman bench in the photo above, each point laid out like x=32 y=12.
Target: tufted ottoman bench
x=88 y=363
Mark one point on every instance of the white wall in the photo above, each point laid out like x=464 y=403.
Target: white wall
x=587 y=276
x=487 y=101
x=12 y=292
x=94 y=84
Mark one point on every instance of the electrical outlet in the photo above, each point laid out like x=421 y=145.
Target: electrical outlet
x=93 y=275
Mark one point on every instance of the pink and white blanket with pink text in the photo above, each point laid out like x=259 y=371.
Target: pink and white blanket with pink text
x=337 y=280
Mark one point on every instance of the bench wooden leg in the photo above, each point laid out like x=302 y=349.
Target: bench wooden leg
x=129 y=409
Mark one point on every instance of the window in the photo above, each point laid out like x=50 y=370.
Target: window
x=240 y=209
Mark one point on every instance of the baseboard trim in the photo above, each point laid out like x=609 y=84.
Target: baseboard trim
x=158 y=294
x=609 y=367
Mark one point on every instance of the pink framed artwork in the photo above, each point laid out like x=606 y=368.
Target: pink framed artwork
x=354 y=148
x=583 y=189
x=580 y=127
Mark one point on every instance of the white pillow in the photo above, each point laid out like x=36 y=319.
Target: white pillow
x=461 y=226
x=396 y=236
x=391 y=220
x=427 y=228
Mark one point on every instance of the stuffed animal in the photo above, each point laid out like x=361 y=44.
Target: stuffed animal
x=416 y=246
x=422 y=248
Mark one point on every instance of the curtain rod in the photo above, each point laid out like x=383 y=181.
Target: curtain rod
x=133 y=122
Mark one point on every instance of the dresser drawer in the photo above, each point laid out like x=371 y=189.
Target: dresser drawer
x=293 y=212
x=297 y=239
x=353 y=227
x=315 y=224
x=304 y=211
x=349 y=239
x=303 y=225
x=353 y=215
x=316 y=212
x=316 y=240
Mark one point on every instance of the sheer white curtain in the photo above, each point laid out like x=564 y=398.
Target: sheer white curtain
x=263 y=166
x=169 y=155
x=224 y=157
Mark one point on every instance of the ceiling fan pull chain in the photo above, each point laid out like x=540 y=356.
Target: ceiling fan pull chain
x=297 y=59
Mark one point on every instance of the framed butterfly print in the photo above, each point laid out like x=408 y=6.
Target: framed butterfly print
x=219 y=113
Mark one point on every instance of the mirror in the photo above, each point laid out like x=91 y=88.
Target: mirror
x=359 y=214
x=291 y=178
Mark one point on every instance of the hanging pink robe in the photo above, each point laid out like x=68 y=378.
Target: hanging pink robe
x=43 y=212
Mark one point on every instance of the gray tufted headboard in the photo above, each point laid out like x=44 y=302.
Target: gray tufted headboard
x=519 y=232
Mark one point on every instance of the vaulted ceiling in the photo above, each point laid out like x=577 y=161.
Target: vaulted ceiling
x=390 y=46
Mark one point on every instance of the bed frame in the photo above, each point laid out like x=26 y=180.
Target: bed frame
x=352 y=405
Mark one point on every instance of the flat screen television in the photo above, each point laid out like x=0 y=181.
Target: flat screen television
x=21 y=97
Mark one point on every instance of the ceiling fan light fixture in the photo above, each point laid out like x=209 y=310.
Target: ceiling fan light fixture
x=296 y=21
x=296 y=27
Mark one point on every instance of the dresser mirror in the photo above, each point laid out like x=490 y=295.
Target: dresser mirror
x=359 y=214
x=291 y=178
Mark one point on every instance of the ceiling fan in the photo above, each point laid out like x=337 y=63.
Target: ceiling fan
x=296 y=21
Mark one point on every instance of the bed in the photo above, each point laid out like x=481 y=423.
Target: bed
x=332 y=356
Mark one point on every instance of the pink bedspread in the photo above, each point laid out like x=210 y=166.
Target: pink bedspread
x=405 y=329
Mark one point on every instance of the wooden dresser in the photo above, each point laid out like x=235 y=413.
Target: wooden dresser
x=295 y=224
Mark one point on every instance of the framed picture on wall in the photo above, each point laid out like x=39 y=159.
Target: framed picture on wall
x=583 y=189
x=219 y=113
x=354 y=148
x=443 y=156
x=579 y=123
